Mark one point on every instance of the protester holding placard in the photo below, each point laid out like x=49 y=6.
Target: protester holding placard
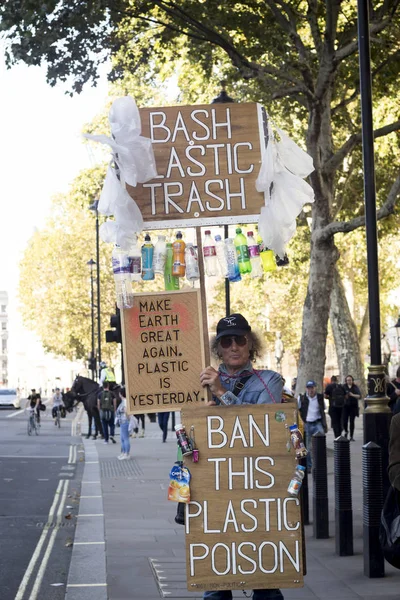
x=237 y=382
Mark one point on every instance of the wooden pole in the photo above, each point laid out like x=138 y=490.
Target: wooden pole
x=203 y=296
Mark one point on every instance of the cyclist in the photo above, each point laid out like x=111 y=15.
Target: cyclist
x=57 y=404
x=34 y=401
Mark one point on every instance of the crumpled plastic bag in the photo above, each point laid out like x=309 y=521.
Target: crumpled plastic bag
x=284 y=164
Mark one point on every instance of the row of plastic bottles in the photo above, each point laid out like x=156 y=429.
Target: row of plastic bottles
x=231 y=258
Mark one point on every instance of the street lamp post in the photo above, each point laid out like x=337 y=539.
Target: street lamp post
x=94 y=207
x=92 y=362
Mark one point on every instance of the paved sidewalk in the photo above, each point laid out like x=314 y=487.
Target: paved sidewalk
x=145 y=548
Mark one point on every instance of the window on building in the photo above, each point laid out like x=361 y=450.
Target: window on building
x=4 y=326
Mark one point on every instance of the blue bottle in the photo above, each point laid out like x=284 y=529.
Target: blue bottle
x=147 y=259
x=232 y=261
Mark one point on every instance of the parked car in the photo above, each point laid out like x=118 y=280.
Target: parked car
x=9 y=397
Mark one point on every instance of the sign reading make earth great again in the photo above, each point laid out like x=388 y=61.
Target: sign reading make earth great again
x=163 y=351
x=208 y=158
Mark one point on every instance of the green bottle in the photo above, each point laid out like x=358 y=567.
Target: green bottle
x=242 y=251
x=171 y=282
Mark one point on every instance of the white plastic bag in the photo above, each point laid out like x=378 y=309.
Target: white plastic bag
x=294 y=158
x=133 y=424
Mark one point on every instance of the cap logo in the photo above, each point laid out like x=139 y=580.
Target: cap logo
x=230 y=321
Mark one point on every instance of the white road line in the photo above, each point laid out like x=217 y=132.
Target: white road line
x=17 y=412
x=46 y=556
x=70 y=454
x=28 y=456
x=35 y=555
x=91 y=515
x=90 y=497
x=88 y=543
x=77 y=585
x=98 y=481
x=92 y=462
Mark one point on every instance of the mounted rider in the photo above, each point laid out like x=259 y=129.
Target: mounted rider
x=107 y=374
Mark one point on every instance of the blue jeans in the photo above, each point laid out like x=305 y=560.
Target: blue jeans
x=163 y=423
x=309 y=430
x=257 y=595
x=125 y=443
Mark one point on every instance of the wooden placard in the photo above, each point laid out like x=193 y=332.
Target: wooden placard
x=243 y=529
x=208 y=158
x=163 y=343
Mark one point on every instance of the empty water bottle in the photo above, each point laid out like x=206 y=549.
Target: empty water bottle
x=122 y=277
x=221 y=255
x=254 y=252
x=232 y=261
x=210 y=255
x=191 y=262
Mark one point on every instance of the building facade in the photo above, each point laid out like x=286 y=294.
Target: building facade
x=4 y=338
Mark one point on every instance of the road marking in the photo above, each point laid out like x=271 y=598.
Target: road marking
x=92 y=462
x=72 y=454
x=76 y=585
x=98 y=481
x=35 y=555
x=91 y=515
x=43 y=479
x=46 y=556
x=17 y=412
x=87 y=543
x=90 y=496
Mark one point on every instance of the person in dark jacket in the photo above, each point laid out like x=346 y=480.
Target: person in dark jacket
x=312 y=412
x=335 y=393
x=350 y=409
x=394 y=452
x=393 y=391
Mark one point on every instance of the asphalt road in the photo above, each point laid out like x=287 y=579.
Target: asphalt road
x=40 y=480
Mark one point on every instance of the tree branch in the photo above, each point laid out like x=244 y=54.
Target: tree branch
x=352 y=47
x=386 y=209
x=335 y=161
x=312 y=16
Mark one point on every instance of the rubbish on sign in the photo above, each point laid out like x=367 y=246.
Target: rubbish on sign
x=179 y=484
x=297 y=441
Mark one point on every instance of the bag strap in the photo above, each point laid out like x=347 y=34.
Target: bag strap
x=239 y=384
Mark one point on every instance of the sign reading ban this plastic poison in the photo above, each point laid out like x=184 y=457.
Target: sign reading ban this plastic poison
x=242 y=528
x=208 y=159
x=163 y=351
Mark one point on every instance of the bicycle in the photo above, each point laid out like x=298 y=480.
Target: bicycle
x=57 y=421
x=33 y=425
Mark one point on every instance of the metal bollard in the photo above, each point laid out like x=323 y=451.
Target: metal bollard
x=374 y=563
x=305 y=507
x=320 y=487
x=343 y=501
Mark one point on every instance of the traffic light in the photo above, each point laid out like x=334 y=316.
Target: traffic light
x=92 y=363
x=115 y=335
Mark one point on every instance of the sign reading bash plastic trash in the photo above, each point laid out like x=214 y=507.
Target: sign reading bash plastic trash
x=243 y=530
x=163 y=351
x=208 y=159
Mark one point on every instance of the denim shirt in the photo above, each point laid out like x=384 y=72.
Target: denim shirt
x=265 y=387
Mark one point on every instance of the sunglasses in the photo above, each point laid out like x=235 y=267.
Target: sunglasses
x=227 y=341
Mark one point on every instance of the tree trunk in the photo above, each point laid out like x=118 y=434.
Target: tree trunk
x=316 y=314
x=345 y=335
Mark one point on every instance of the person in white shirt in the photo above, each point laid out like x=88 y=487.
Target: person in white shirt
x=312 y=412
x=57 y=403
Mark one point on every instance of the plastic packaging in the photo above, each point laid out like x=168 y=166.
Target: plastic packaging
x=242 y=251
x=297 y=441
x=147 y=259
x=135 y=260
x=254 y=253
x=267 y=256
x=296 y=481
x=191 y=263
x=170 y=281
x=232 y=261
x=178 y=257
x=160 y=253
x=221 y=256
x=122 y=278
x=183 y=440
x=210 y=255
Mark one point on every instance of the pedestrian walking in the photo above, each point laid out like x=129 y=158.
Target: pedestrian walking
x=351 y=409
x=394 y=452
x=312 y=413
x=163 y=418
x=141 y=420
x=335 y=394
x=121 y=418
x=236 y=382
x=107 y=406
x=394 y=393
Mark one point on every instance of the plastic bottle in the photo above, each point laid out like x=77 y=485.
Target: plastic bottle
x=191 y=263
x=147 y=259
x=135 y=260
x=122 y=278
x=221 y=255
x=160 y=253
x=254 y=253
x=232 y=261
x=267 y=256
x=242 y=251
x=296 y=481
x=170 y=281
x=178 y=257
x=210 y=255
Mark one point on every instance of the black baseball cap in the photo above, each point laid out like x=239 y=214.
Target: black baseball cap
x=235 y=324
